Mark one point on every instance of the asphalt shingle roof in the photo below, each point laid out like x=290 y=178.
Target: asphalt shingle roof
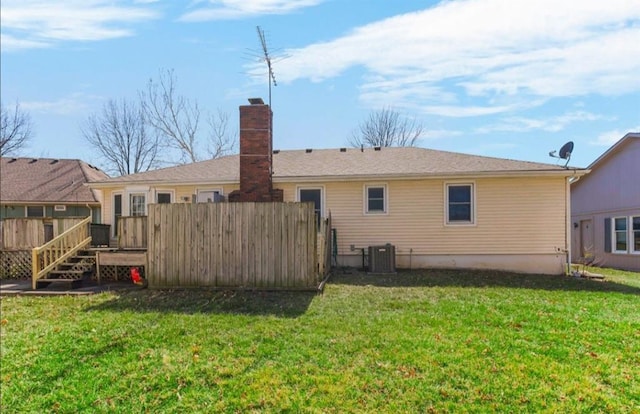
x=47 y=180
x=339 y=164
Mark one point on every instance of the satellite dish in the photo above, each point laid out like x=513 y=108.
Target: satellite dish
x=566 y=150
x=564 y=153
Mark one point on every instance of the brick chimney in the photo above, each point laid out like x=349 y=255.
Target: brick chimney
x=256 y=141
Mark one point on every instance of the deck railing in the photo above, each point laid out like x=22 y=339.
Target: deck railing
x=46 y=257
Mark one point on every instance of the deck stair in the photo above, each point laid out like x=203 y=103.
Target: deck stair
x=72 y=271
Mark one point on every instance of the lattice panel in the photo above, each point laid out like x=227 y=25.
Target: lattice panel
x=15 y=264
x=117 y=273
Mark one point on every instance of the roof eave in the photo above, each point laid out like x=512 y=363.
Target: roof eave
x=571 y=172
x=125 y=183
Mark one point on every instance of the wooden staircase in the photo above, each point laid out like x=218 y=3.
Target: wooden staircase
x=61 y=259
x=72 y=271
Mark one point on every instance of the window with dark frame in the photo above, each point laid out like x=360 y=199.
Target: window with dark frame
x=635 y=228
x=35 y=211
x=117 y=212
x=375 y=199
x=163 y=198
x=459 y=203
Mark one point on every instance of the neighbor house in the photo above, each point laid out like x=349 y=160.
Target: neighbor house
x=605 y=208
x=49 y=188
x=439 y=209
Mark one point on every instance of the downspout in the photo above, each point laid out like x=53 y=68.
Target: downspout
x=567 y=227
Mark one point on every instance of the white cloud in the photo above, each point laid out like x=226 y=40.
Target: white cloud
x=607 y=139
x=39 y=23
x=548 y=124
x=237 y=9
x=486 y=52
x=66 y=105
x=12 y=43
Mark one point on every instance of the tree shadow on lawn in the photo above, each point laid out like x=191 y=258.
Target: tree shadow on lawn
x=477 y=278
x=284 y=304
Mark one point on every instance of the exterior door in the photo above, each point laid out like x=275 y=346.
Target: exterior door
x=315 y=196
x=586 y=238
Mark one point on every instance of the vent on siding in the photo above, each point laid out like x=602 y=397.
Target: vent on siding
x=382 y=259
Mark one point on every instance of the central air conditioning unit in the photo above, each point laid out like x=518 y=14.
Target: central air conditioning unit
x=382 y=259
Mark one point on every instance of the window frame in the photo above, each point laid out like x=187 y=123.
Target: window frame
x=632 y=235
x=614 y=233
x=26 y=211
x=385 y=198
x=171 y=196
x=114 y=216
x=322 y=197
x=472 y=204
x=131 y=203
x=207 y=190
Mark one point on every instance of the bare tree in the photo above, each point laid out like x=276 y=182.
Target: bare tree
x=172 y=115
x=221 y=141
x=177 y=120
x=120 y=134
x=385 y=128
x=15 y=129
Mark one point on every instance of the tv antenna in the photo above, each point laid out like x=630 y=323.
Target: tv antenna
x=267 y=59
x=564 y=153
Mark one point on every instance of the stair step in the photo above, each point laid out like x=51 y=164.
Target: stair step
x=71 y=264
x=67 y=272
x=51 y=280
x=42 y=283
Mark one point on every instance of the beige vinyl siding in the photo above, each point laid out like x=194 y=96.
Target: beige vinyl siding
x=524 y=215
x=179 y=192
x=513 y=216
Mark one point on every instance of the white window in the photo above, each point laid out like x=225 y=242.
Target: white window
x=208 y=196
x=375 y=199
x=620 y=233
x=35 y=211
x=137 y=204
x=459 y=206
x=635 y=234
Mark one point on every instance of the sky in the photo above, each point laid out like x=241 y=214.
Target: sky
x=503 y=78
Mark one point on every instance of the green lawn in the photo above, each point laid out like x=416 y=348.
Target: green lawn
x=422 y=341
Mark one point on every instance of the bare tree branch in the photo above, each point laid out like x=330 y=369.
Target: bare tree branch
x=119 y=133
x=221 y=142
x=172 y=115
x=15 y=129
x=385 y=128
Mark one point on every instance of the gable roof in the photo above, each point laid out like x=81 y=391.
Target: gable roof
x=47 y=180
x=346 y=164
x=614 y=149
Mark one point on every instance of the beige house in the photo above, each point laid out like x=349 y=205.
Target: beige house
x=439 y=209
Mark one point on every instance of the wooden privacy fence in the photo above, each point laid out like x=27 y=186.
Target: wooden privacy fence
x=132 y=232
x=245 y=245
x=27 y=233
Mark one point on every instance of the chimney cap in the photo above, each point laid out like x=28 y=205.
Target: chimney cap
x=256 y=101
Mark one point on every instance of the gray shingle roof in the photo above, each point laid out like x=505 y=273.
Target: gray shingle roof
x=335 y=164
x=47 y=180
